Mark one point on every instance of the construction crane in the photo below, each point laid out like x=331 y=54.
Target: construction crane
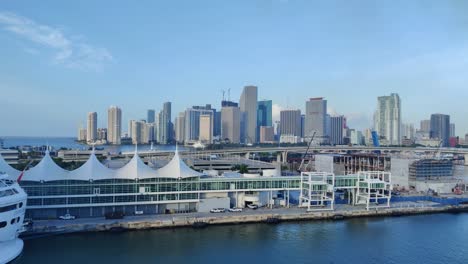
x=301 y=169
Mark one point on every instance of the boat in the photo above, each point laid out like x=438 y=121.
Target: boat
x=12 y=210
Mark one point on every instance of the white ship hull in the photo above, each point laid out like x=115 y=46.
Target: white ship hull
x=10 y=250
x=12 y=210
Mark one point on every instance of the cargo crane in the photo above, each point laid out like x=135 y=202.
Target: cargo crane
x=301 y=169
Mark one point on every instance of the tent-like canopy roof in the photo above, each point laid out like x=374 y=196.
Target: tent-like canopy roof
x=135 y=169
x=6 y=168
x=46 y=170
x=93 y=169
x=177 y=169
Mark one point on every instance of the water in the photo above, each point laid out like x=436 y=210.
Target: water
x=428 y=239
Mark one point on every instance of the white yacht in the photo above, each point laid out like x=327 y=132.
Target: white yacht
x=12 y=210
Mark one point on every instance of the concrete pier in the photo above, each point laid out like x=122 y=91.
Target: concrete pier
x=188 y=220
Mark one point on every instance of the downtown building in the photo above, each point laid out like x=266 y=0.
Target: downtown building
x=248 y=108
x=264 y=115
x=91 y=135
x=192 y=122
x=316 y=119
x=440 y=128
x=387 y=118
x=230 y=122
x=337 y=126
x=179 y=127
x=290 y=123
x=114 y=125
x=206 y=128
x=164 y=124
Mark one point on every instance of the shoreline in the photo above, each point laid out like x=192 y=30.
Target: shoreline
x=179 y=221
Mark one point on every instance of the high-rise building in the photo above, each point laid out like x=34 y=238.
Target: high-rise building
x=102 y=134
x=82 y=134
x=150 y=135
x=192 y=122
x=180 y=127
x=92 y=127
x=206 y=128
x=387 y=119
x=452 y=130
x=248 y=108
x=264 y=115
x=164 y=124
x=407 y=131
x=150 y=116
x=440 y=128
x=267 y=134
x=217 y=123
x=139 y=132
x=425 y=126
x=466 y=139
x=230 y=124
x=290 y=122
x=356 y=137
x=315 y=118
x=337 y=125
x=302 y=126
x=114 y=125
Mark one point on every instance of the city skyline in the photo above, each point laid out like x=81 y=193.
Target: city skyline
x=67 y=68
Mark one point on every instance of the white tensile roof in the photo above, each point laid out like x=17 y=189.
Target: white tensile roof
x=93 y=169
x=177 y=169
x=135 y=169
x=46 y=170
x=6 y=168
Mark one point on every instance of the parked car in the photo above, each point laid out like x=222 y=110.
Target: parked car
x=235 y=210
x=115 y=215
x=139 y=212
x=67 y=217
x=217 y=210
x=252 y=206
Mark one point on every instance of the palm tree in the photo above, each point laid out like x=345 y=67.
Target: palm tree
x=242 y=168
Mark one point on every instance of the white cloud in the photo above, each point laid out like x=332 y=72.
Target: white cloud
x=276 y=109
x=70 y=53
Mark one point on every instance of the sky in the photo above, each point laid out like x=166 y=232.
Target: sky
x=60 y=60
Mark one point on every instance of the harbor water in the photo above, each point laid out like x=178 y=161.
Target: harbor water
x=439 y=238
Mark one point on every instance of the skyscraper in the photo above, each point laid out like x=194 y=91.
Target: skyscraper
x=114 y=125
x=440 y=128
x=151 y=114
x=387 y=118
x=425 y=126
x=164 y=124
x=337 y=124
x=452 y=130
x=290 y=122
x=192 y=122
x=180 y=127
x=315 y=118
x=230 y=123
x=139 y=133
x=264 y=115
x=248 y=108
x=206 y=128
x=91 y=134
x=217 y=123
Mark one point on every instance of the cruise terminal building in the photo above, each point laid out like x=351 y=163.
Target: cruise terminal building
x=93 y=190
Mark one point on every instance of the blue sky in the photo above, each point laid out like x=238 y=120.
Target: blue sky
x=62 y=59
